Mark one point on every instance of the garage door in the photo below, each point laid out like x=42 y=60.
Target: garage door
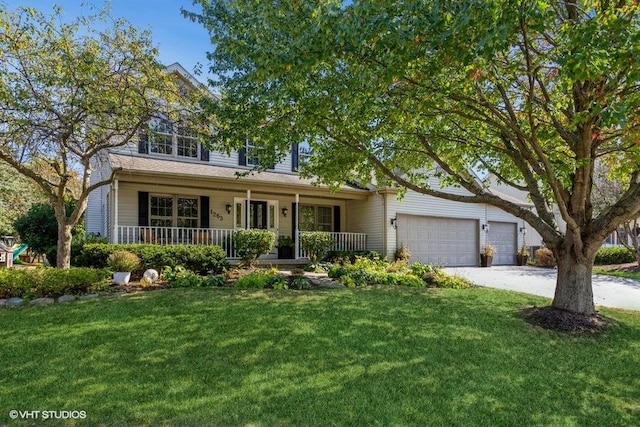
x=503 y=235
x=439 y=241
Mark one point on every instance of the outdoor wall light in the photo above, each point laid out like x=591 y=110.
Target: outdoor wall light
x=228 y=207
x=394 y=222
x=485 y=227
x=523 y=230
x=285 y=211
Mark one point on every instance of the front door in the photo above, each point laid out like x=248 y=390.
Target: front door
x=258 y=214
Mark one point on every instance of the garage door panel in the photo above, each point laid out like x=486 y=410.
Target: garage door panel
x=503 y=235
x=440 y=241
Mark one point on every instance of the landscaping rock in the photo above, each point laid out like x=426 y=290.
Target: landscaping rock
x=67 y=298
x=88 y=297
x=14 y=302
x=42 y=301
x=2 y=301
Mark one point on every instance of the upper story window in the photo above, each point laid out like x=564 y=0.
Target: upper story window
x=161 y=136
x=171 y=139
x=301 y=154
x=252 y=158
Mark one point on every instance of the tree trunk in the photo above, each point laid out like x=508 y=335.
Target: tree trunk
x=574 y=291
x=64 y=246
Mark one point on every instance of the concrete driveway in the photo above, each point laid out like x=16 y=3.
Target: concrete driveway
x=607 y=290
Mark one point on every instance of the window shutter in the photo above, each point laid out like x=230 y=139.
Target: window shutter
x=294 y=157
x=204 y=153
x=242 y=157
x=143 y=208
x=204 y=212
x=143 y=142
x=336 y=219
x=294 y=220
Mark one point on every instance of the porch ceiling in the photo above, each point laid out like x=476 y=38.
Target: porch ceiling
x=153 y=167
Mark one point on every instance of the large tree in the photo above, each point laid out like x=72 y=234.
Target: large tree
x=68 y=92
x=530 y=91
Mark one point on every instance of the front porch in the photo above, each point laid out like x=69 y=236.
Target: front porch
x=223 y=237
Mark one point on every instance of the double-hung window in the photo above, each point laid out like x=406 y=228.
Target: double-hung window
x=172 y=139
x=315 y=218
x=173 y=211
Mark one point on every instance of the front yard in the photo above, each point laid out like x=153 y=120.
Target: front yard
x=365 y=356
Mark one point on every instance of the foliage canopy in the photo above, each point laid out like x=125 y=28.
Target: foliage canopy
x=531 y=92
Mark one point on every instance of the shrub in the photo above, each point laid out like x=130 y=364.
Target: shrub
x=124 y=261
x=199 y=259
x=341 y=257
x=253 y=280
x=614 y=255
x=403 y=253
x=316 y=244
x=250 y=244
x=51 y=282
x=180 y=277
x=299 y=282
x=545 y=258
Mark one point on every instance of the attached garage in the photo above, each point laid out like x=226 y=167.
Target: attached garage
x=439 y=241
x=503 y=235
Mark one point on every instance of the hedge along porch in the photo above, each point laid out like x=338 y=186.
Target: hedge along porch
x=151 y=207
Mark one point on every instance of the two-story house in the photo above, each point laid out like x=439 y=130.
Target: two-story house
x=169 y=189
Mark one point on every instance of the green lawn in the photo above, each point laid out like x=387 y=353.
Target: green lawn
x=371 y=356
x=626 y=274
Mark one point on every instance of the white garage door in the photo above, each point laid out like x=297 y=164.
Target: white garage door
x=439 y=241
x=503 y=235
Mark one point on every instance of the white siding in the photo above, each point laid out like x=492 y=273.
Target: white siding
x=367 y=216
x=97 y=209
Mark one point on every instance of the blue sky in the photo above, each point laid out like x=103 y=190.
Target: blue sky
x=178 y=39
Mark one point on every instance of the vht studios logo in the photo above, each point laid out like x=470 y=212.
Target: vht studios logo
x=47 y=415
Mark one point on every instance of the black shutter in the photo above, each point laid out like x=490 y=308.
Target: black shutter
x=294 y=157
x=143 y=208
x=242 y=157
x=294 y=219
x=336 y=219
x=143 y=142
x=204 y=212
x=204 y=153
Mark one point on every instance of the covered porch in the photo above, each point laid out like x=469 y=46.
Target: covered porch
x=223 y=237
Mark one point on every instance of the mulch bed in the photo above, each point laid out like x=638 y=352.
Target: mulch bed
x=567 y=322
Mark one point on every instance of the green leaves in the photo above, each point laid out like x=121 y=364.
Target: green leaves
x=394 y=89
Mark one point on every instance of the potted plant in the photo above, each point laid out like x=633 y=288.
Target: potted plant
x=486 y=255
x=285 y=247
x=522 y=255
x=122 y=263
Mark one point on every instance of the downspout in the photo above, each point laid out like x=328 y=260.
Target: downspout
x=296 y=231
x=115 y=211
x=385 y=226
x=247 y=214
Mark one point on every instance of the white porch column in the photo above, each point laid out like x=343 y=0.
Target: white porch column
x=247 y=211
x=115 y=211
x=296 y=231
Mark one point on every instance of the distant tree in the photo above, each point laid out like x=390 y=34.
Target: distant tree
x=530 y=91
x=607 y=189
x=38 y=228
x=17 y=194
x=68 y=92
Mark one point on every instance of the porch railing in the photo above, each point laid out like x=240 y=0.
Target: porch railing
x=130 y=234
x=343 y=242
x=178 y=236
